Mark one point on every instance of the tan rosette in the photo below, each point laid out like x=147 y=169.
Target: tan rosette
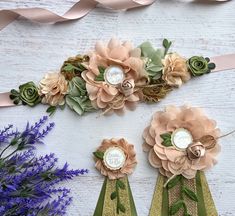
x=53 y=88
x=118 y=158
x=102 y=94
x=175 y=71
x=200 y=155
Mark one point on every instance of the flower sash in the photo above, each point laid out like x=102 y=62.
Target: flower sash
x=115 y=76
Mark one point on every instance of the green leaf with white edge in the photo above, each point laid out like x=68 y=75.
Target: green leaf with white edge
x=166 y=139
x=78 y=104
x=99 y=154
x=154 y=68
x=176 y=207
x=173 y=182
x=74 y=104
x=113 y=195
x=121 y=184
x=157 y=57
x=147 y=49
x=157 y=76
x=77 y=87
x=190 y=194
x=51 y=110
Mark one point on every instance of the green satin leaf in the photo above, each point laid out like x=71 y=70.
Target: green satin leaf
x=100 y=203
x=173 y=182
x=176 y=207
x=190 y=194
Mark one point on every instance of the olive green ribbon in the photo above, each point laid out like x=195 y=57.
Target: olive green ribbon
x=115 y=199
x=204 y=207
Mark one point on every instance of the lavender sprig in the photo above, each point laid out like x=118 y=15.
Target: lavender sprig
x=28 y=184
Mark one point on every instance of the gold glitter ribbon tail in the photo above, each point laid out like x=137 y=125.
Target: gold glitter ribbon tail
x=116 y=199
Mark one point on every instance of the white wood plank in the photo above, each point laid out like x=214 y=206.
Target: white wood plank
x=29 y=50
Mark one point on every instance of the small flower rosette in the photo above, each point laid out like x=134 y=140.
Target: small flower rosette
x=115 y=159
x=182 y=142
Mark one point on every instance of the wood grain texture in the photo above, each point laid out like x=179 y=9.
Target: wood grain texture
x=29 y=50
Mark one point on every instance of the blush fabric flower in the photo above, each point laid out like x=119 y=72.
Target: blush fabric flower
x=104 y=95
x=172 y=161
x=175 y=70
x=130 y=158
x=53 y=88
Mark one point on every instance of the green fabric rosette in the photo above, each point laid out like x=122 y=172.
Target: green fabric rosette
x=27 y=94
x=199 y=65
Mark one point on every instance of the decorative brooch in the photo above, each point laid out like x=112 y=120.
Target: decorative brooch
x=113 y=77
x=182 y=143
x=115 y=159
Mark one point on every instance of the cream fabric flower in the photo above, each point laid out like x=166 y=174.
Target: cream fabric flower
x=53 y=88
x=104 y=95
x=170 y=160
x=175 y=71
x=130 y=161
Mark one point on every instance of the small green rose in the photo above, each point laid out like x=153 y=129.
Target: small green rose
x=27 y=94
x=77 y=98
x=199 y=65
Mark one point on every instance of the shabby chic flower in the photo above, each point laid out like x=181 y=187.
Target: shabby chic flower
x=199 y=155
x=175 y=71
x=53 y=88
x=109 y=66
x=129 y=161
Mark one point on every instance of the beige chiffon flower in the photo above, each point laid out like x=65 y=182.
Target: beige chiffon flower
x=104 y=95
x=53 y=88
x=200 y=155
x=130 y=161
x=175 y=71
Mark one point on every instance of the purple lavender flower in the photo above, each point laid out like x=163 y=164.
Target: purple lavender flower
x=28 y=184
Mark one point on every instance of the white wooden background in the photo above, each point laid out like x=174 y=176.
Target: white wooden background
x=29 y=50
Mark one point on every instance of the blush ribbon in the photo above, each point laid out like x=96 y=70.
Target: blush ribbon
x=77 y=11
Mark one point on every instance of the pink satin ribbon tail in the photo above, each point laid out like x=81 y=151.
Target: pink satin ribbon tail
x=5 y=100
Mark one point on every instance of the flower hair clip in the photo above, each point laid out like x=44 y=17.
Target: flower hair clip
x=182 y=143
x=115 y=159
x=113 y=77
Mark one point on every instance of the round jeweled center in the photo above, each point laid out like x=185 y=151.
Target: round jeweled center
x=181 y=138
x=114 y=75
x=114 y=158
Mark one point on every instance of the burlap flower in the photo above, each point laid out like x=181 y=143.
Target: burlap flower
x=53 y=88
x=130 y=161
x=200 y=155
x=102 y=94
x=175 y=71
